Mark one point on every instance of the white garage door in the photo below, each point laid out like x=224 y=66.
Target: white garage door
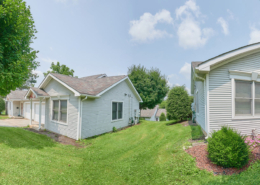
x=37 y=110
x=27 y=110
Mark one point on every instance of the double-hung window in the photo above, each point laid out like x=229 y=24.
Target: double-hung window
x=247 y=98
x=59 y=110
x=117 y=110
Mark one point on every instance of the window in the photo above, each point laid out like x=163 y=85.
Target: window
x=243 y=98
x=59 y=111
x=247 y=98
x=117 y=110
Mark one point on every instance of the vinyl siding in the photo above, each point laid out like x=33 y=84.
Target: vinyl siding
x=69 y=129
x=97 y=113
x=200 y=117
x=220 y=95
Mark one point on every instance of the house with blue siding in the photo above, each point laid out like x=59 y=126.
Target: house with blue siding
x=226 y=90
x=78 y=107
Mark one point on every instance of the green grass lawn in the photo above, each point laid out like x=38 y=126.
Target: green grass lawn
x=3 y=116
x=149 y=153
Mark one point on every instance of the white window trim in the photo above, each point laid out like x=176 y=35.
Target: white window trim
x=115 y=120
x=55 y=121
x=233 y=89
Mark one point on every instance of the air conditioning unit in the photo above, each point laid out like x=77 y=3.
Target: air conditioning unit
x=137 y=113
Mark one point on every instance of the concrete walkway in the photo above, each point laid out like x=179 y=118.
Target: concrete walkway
x=16 y=122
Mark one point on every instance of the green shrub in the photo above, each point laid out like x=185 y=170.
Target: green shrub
x=141 y=119
x=162 y=117
x=114 y=129
x=227 y=148
x=2 y=105
x=178 y=104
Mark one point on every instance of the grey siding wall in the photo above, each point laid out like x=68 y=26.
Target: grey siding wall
x=200 y=117
x=70 y=129
x=97 y=113
x=220 y=95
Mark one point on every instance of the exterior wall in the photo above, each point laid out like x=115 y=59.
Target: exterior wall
x=200 y=117
x=220 y=95
x=97 y=113
x=68 y=129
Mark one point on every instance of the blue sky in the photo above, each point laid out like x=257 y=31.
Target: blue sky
x=100 y=36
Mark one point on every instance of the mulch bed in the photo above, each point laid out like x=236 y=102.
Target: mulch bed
x=200 y=153
x=58 y=138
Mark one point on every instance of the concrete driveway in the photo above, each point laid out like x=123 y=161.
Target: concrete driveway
x=15 y=122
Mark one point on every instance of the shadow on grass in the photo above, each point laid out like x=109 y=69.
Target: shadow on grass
x=196 y=133
x=20 y=138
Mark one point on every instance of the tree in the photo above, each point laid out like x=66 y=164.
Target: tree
x=163 y=105
x=2 y=105
x=17 y=58
x=30 y=82
x=60 y=69
x=178 y=103
x=150 y=84
x=162 y=117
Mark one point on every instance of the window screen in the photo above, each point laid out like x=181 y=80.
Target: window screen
x=243 y=98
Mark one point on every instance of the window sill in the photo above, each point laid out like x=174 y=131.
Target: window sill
x=245 y=117
x=117 y=120
x=58 y=122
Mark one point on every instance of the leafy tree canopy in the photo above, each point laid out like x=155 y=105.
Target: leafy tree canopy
x=178 y=104
x=2 y=105
x=30 y=82
x=60 y=69
x=150 y=84
x=17 y=58
x=163 y=105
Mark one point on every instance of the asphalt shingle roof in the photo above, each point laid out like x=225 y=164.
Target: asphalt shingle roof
x=18 y=94
x=39 y=92
x=147 y=113
x=91 y=85
x=160 y=111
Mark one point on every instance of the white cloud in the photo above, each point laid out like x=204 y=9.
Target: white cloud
x=231 y=15
x=188 y=8
x=254 y=35
x=189 y=32
x=39 y=73
x=224 y=24
x=144 y=29
x=48 y=60
x=171 y=78
x=186 y=70
x=51 y=48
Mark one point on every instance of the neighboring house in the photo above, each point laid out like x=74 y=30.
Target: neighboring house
x=152 y=114
x=158 y=114
x=78 y=107
x=226 y=90
x=149 y=114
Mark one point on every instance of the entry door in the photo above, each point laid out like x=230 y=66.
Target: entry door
x=27 y=111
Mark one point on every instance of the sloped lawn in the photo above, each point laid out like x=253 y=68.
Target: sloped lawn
x=149 y=153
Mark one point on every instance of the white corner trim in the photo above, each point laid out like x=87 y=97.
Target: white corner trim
x=207 y=84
